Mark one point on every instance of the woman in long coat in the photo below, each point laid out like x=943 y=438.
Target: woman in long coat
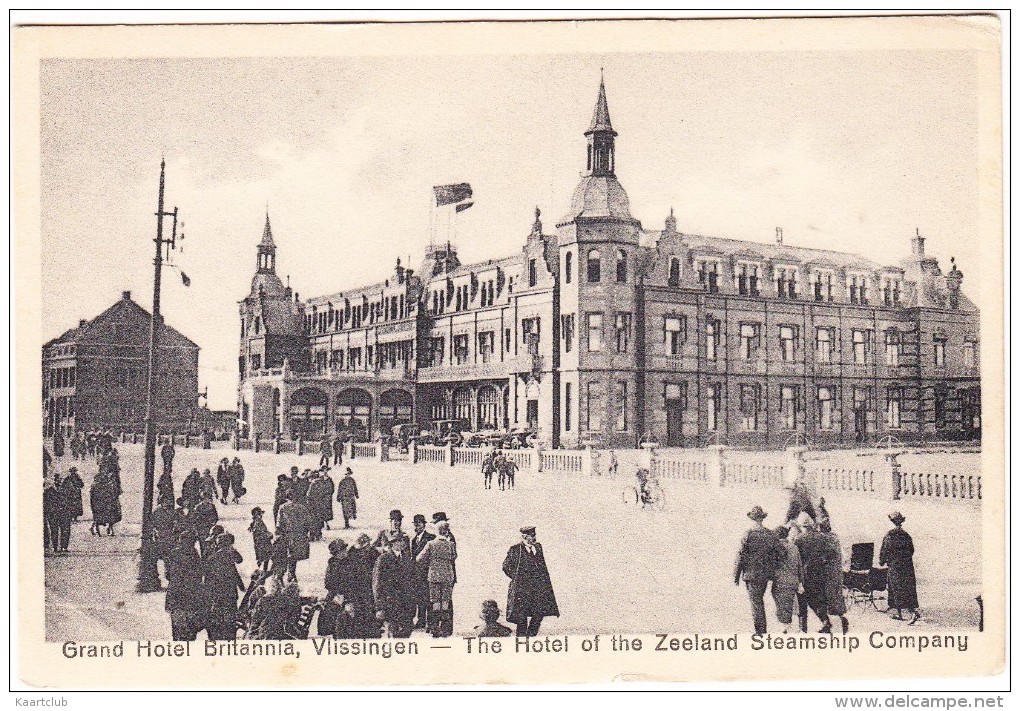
x=72 y=486
x=897 y=552
x=104 y=498
x=296 y=526
x=320 y=502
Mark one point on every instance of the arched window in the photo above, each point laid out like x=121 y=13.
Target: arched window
x=594 y=266
x=258 y=325
x=568 y=267
x=621 y=266
x=674 y=271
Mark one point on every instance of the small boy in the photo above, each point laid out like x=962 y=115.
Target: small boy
x=261 y=537
x=492 y=627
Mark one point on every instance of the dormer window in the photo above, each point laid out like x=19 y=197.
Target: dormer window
x=891 y=288
x=857 y=285
x=674 y=271
x=708 y=275
x=747 y=279
x=786 y=282
x=822 y=285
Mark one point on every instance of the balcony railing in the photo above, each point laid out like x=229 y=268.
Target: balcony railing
x=439 y=373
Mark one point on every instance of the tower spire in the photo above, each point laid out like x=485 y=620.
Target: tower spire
x=601 y=137
x=267 y=250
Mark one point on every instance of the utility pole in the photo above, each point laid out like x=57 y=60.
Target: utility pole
x=148 y=573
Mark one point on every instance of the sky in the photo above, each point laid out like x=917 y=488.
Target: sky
x=844 y=150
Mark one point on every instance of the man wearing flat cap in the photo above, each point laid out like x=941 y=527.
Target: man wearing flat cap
x=530 y=597
x=394 y=531
x=760 y=552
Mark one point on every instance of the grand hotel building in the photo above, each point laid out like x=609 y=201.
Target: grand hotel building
x=601 y=330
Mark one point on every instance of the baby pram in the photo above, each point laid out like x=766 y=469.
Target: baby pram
x=862 y=581
x=283 y=620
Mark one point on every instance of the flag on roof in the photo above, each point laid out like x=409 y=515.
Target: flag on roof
x=452 y=194
x=464 y=206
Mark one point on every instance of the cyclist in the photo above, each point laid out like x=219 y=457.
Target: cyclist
x=644 y=486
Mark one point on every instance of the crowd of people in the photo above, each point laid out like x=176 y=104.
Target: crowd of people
x=503 y=467
x=801 y=561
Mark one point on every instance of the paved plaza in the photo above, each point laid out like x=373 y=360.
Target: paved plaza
x=615 y=568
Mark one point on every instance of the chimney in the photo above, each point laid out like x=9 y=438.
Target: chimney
x=81 y=323
x=917 y=244
x=126 y=295
x=779 y=235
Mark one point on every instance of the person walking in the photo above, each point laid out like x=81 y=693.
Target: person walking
x=788 y=581
x=320 y=501
x=223 y=585
x=419 y=540
x=104 y=498
x=325 y=452
x=191 y=488
x=510 y=469
x=338 y=450
x=760 y=553
x=237 y=480
x=207 y=485
x=262 y=539
x=337 y=617
x=439 y=555
x=166 y=453
x=487 y=470
x=72 y=486
x=223 y=479
x=295 y=523
x=897 y=552
x=814 y=555
x=530 y=597
x=347 y=496
x=185 y=594
x=363 y=558
x=393 y=587
x=835 y=604
x=165 y=486
x=51 y=513
x=282 y=493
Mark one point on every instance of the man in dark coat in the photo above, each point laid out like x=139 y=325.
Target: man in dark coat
x=164 y=528
x=223 y=584
x=320 y=502
x=295 y=523
x=325 y=452
x=185 y=595
x=816 y=554
x=237 y=479
x=897 y=552
x=419 y=540
x=53 y=506
x=347 y=495
x=363 y=557
x=262 y=539
x=72 y=486
x=530 y=597
x=760 y=552
x=204 y=515
x=191 y=489
x=165 y=487
x=393 y=588
x=382 y=541
x=338 y=450
x=223 y=479
x=167 y=453
x=282 y=493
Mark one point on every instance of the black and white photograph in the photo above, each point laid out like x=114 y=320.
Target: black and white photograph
x=370 y=345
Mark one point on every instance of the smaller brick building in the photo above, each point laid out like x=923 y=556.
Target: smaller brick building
x=95 y=375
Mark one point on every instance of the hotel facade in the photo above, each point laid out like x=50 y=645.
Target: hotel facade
x=603 y=331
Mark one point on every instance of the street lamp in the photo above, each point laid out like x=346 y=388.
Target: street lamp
x=148 y=572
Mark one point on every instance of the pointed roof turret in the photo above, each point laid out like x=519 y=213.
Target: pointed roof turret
x=267 y=233
x=600 y=118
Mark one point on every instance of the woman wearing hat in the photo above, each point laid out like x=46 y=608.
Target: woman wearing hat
x=897 y=552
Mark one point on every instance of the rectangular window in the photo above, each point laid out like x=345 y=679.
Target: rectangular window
x=486 y=345
x=892 y=347
x=940 y=409
x=620 y=396
x=370 y=356
x=786 y=283
x=708 y=276
x=437 y=352
x=594 y=332
x=256 y=362
x=893 y=405
x=750 y=340
x=532 y=272
x=594 y=407
x=460 y=349
x=674 y=333
x=969 y=354
x=939 y=352
x=747 y=280
x=750 y=404
x=788 y=343
x=711 y=340
x=508 y=340
x=567 y=326
x=862 y=346
x=531 y=334
x=824 y=336
x=789 y=400
x=825 y=408
x=568 y=405
x=623 y=321
x=714 y=402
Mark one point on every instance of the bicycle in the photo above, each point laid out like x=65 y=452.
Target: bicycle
x=654 y=498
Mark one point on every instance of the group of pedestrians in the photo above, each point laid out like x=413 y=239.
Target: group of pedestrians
x=83 y=444
x=504 y=468
x=802 y=561
x=63 y=502
x=62 y=505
